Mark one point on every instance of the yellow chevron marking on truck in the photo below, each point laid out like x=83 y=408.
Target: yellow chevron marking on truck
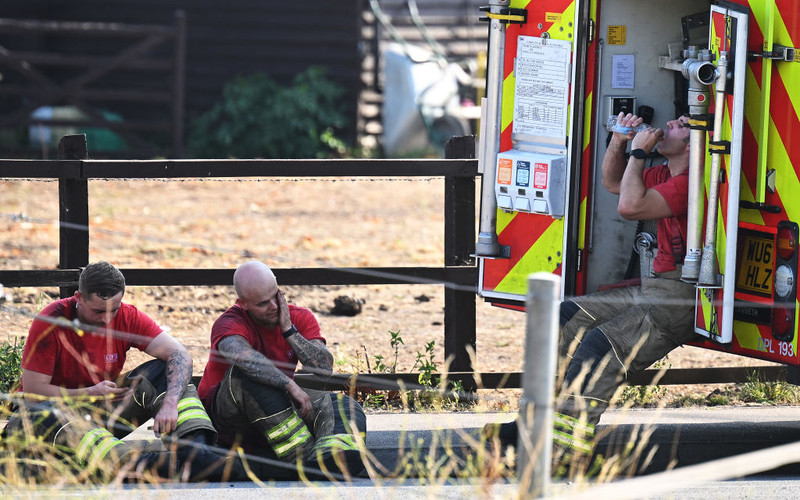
x=582 y=224
x=785 y=176
x=535 y=259
x=705 y=305
x=561 y=26
x=748 y=335
x=508 y=102
x=752 y=116
x=504 y=219
x=587 y=119
x=789 y=72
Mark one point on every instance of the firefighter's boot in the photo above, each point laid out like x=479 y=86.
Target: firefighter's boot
x=573 y=447
x=203 y=462
x=501 y=435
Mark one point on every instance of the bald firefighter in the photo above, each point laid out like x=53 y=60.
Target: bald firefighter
x=249 y=390
x=76 y=401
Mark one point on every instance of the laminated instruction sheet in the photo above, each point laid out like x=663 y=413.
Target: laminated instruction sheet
x=541 y=89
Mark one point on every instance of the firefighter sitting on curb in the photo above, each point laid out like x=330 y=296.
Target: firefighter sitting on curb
x=606 y=334
x=249 y=390
x=76 y=400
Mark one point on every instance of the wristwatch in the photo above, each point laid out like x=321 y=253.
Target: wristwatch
x=639 y=154
x=291 y=331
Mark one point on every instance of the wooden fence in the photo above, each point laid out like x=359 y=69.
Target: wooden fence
x=459 y=275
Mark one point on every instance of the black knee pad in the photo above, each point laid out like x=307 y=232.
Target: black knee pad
x=46 y=418
x=269 y=399
x=567 y=310
x=349 y=416
x=593 y=349
x=155 y=371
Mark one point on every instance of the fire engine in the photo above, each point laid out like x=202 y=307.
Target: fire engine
x=558 y=70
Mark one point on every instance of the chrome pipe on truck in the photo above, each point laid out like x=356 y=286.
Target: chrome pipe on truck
x=708 y=264
x=701 y=73
x=489 y=145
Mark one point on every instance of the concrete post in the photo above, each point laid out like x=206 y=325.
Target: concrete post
x=538 y=381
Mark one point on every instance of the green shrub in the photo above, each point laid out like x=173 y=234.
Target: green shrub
x=10 y=359
x=257 y=118
x=756 y=390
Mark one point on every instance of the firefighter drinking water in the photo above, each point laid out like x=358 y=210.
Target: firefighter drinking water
x=248 y=385
x=76 y=402
x=606 y=334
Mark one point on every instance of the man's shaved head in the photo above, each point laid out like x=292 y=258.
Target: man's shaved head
x=252 y=275
x=258 y=293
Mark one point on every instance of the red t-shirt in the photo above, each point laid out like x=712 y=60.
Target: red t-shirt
x=83 y=359
x=671 y=230
x=267 y=341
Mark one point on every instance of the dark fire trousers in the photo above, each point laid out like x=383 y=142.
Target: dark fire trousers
x=263 y=421
x=89 y=430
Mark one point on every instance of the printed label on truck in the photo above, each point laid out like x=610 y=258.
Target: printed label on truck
x=504 y=168
x=540 y=176
x=523 y=173
x=617 y=34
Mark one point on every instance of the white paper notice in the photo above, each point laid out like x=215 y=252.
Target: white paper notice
x=541 y=87
x=622 y=69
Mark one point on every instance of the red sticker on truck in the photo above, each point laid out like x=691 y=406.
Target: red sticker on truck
x=540 y=175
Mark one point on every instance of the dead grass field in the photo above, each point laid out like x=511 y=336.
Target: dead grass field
x=286 y=223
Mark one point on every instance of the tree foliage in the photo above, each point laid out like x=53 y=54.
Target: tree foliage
x=258 y=118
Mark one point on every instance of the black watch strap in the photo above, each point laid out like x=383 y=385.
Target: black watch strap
x=291 y=331
x=639 y=154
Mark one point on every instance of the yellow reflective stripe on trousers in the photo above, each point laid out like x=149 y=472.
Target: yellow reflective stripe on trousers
x=190 y=414
x=88 y=441
x=573 y=433
x=337 y=442
x=285 y=427
x=572 y=442
x=189 y=408
x=296 y=440
x=572 y=425
x=288 y=435
x=96 y=445
x=189 y=402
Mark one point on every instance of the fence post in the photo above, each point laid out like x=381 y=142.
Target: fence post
x=459 y=241
x=73 y=208
x=536 y=404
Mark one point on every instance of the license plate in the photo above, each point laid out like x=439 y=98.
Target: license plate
x=756 y=264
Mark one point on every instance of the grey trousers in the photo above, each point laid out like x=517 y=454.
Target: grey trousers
x=641 y=324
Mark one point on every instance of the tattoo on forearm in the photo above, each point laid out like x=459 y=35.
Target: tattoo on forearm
x=179 y=373
x=314 y=355
x=254 y=364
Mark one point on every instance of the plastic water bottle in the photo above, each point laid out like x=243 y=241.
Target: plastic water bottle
x=613 y=126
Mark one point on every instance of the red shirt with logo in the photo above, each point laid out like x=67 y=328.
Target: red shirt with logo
x=267 y=341
x=77 y=359
x=671 y=230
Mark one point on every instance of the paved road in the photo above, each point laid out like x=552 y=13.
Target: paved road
x=706 y=446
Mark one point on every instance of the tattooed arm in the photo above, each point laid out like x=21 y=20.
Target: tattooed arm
x=261 y=369
x=179 y=373
x=315 y=357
